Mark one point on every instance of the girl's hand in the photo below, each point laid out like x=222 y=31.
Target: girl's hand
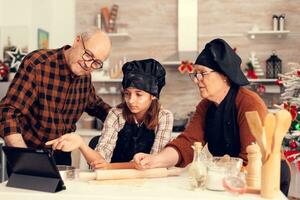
x=100 y=164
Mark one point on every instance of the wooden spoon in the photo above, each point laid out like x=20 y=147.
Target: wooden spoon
x=257 y=131
x=283 y=123
x=269 y=125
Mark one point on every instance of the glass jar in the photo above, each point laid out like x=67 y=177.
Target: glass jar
x=198 y=169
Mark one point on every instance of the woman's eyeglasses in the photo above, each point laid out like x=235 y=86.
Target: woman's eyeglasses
x=198 y=75
x=88 y=56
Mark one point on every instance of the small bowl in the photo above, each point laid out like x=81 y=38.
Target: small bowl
x=229 y=163
x=218 y=168
x=66 y=172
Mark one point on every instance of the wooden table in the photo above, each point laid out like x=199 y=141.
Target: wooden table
x=170 y=188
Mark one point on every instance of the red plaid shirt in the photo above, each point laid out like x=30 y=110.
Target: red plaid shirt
x=45 y=99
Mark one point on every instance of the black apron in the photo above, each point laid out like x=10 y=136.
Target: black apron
x=132 y=139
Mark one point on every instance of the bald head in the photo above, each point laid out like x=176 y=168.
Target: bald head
x=98 y=43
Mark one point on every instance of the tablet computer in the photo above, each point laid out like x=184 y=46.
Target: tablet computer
x=32 y=169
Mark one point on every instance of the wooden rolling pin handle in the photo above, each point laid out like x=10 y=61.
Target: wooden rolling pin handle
x=87 y=176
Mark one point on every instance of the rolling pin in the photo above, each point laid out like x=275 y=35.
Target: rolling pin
x=129 y=174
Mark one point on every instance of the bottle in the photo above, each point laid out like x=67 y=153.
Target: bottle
x=275 y=23
x=198 y=168
x=281 y=21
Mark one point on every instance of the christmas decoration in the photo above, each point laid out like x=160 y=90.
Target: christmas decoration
x=17 y=57
x=273 y=66
x=4 y=70
x=185 y=66
x=291 y=83
x=291 y=98
x=293 y=144
x=253 y=68
x=261 y=89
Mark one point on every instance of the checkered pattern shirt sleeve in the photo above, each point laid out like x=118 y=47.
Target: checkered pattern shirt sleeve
x=20 y=97
x=163 y=131
x=109 y=135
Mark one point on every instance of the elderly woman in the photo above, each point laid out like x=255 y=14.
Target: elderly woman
x=219 y=119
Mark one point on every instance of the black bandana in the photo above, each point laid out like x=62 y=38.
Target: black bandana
x=219 y=56
x=147 y=75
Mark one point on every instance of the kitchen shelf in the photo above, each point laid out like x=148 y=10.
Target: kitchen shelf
x=279 y=34
x=263 y=80
x=171 y=63
x=118 y=35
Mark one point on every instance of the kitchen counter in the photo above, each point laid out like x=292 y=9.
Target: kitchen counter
x=172 y=188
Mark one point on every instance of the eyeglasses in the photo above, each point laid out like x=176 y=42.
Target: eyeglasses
x=88 y=56
x=198 y=75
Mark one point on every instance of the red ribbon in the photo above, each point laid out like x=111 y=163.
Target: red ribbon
x=291 y=156
x=292 y=109
x=185 y=66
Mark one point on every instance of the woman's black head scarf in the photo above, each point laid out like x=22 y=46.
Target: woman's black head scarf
x=219 y=56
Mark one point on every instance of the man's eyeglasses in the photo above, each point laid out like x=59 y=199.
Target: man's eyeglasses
x=88 y=56
x=198 y=75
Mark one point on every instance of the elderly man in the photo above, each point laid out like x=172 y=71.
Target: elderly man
x=51 y=90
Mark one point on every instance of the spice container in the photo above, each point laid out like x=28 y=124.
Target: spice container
x=275 y=22
x=281 y=22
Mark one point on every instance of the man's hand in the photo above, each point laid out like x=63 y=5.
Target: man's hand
x=67 y=142
x=15 y=140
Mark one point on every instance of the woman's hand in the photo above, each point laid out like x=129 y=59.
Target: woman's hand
x=144 y=161
x=67 y=142
x=100 y=164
